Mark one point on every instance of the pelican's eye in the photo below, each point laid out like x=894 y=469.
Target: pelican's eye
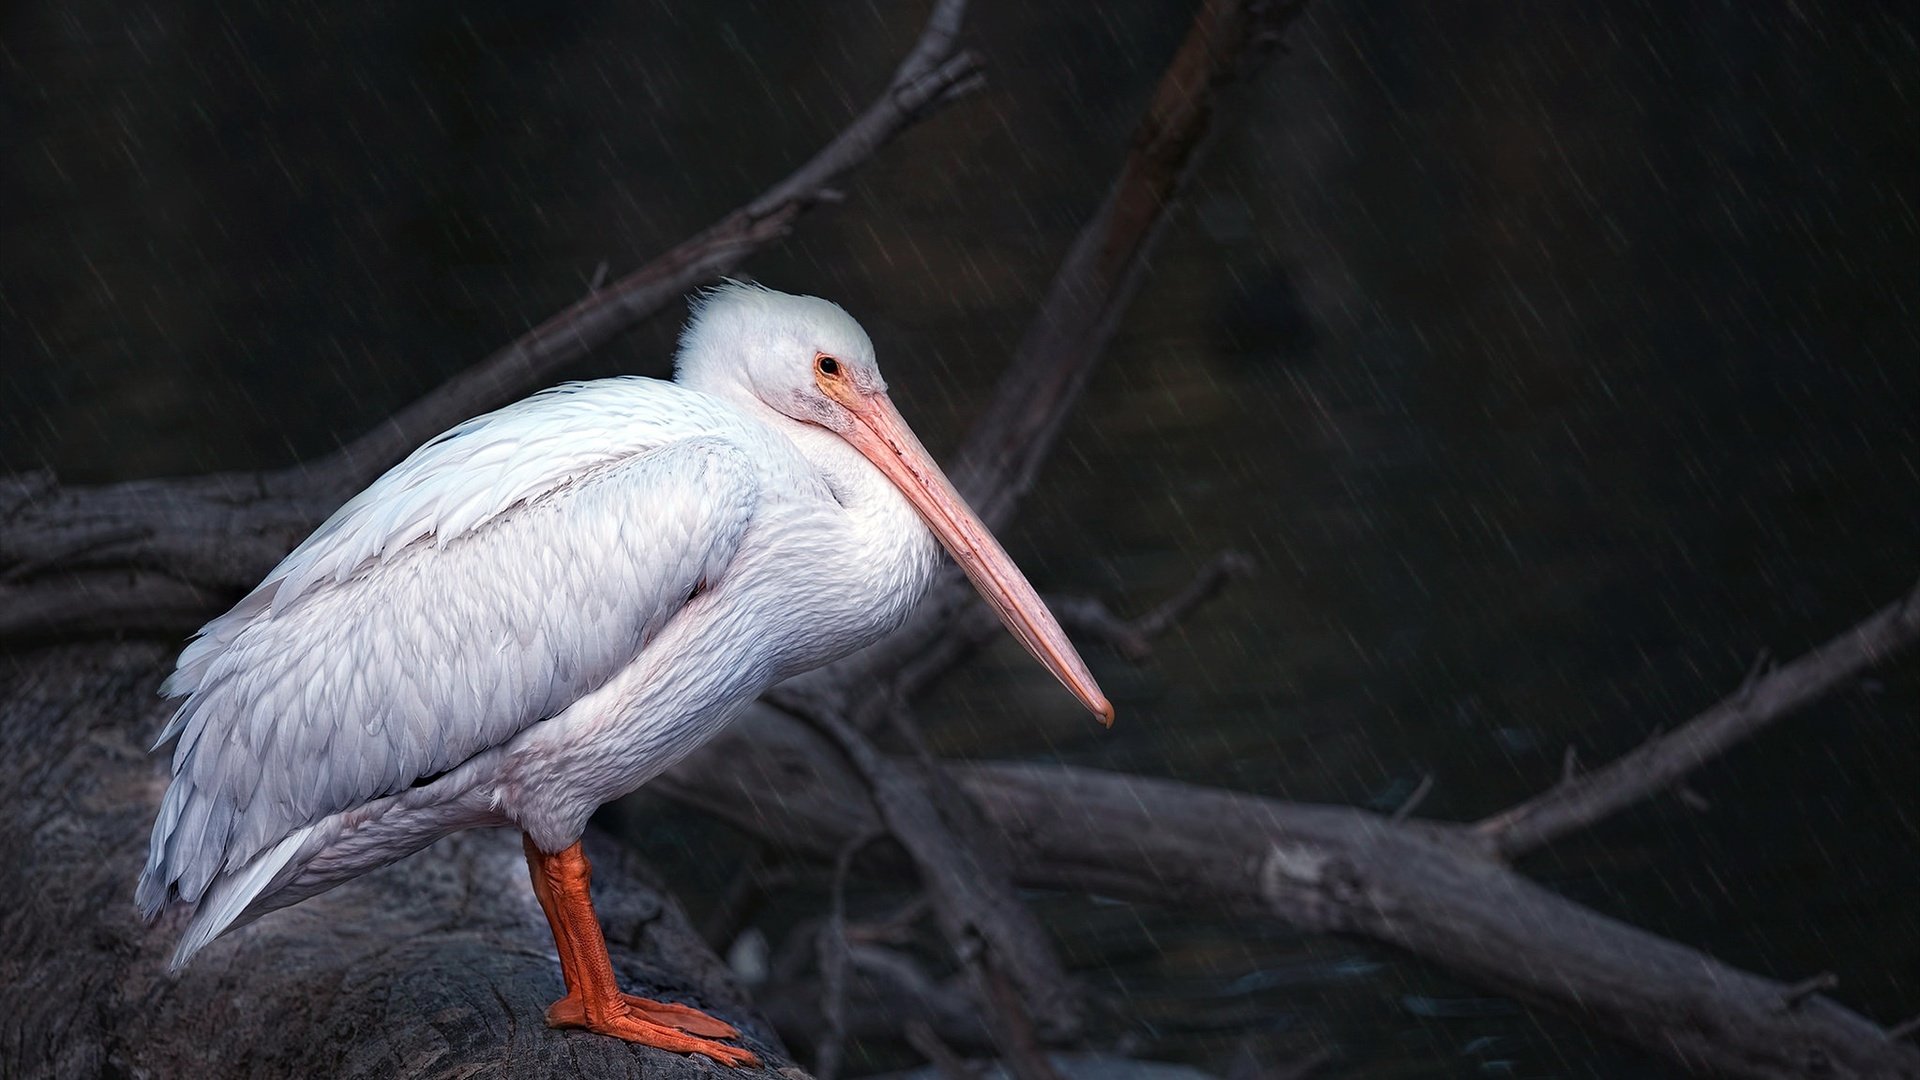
x=827 y=364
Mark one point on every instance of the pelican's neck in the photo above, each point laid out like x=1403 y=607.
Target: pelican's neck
x=855 y=482
x=879 y=553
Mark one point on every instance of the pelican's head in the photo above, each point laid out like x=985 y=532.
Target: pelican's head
x=809 y=361
x=801 y=356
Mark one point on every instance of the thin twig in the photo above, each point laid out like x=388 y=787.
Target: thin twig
x=976 y=626
x=1207 y=584
x=948 y=1064
x=834 y=950
x=1414 y=799
x=1799 y=992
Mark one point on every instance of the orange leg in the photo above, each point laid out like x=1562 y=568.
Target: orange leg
x=593 y=1000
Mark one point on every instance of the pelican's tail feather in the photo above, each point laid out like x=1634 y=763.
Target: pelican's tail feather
x=230 y=894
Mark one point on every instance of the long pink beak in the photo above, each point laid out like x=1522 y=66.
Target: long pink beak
x=883 y=436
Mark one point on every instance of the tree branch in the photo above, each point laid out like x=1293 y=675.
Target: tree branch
x=931 y=76
x=1580 y=799
x=1103 y=269
x=1068 y=335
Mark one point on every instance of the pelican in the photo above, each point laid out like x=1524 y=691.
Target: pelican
x=545 y=607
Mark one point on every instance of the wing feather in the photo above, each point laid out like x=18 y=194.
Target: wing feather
x=500 y=573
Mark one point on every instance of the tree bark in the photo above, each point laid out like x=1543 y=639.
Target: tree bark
x=440 y=966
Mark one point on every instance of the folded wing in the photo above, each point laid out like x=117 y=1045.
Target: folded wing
x=500 y=573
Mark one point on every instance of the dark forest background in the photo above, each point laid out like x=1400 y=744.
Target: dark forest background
x=1550 y=361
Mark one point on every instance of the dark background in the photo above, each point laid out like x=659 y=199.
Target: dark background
x=1550 y=361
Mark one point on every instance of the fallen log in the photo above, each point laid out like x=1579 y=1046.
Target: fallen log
x=439 y=966
x=1433 y=889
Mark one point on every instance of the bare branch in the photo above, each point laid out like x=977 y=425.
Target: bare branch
x=1414 y=799
x=1005 y=448
x=1799 y=992
x=1134 y=637
x=931 y=76
x=1660 y=762
x=948 y=1064
x=887 y=994
x=1103 y=268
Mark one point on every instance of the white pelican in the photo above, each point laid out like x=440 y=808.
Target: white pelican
x=546 y=607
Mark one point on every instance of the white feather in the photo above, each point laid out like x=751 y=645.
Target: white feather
x=230 y=896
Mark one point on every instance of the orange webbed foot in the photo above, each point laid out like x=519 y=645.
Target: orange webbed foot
x=660 y=1024
x=594 y=1002
x=570 y=1012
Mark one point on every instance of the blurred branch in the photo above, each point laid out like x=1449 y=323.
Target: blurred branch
x=887 y=994
x=1134 y=637
x=1068 y=335
x=159 y=556
x=932 y=75
x=834 y=958
x=1581 y=799
x=1103 y=269
x=973 y=902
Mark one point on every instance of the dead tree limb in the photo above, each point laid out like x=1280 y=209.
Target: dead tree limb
x=439 y=967
x=159 y=556
x=1426 y=887
x=1581 y=799
x=1103 y=268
